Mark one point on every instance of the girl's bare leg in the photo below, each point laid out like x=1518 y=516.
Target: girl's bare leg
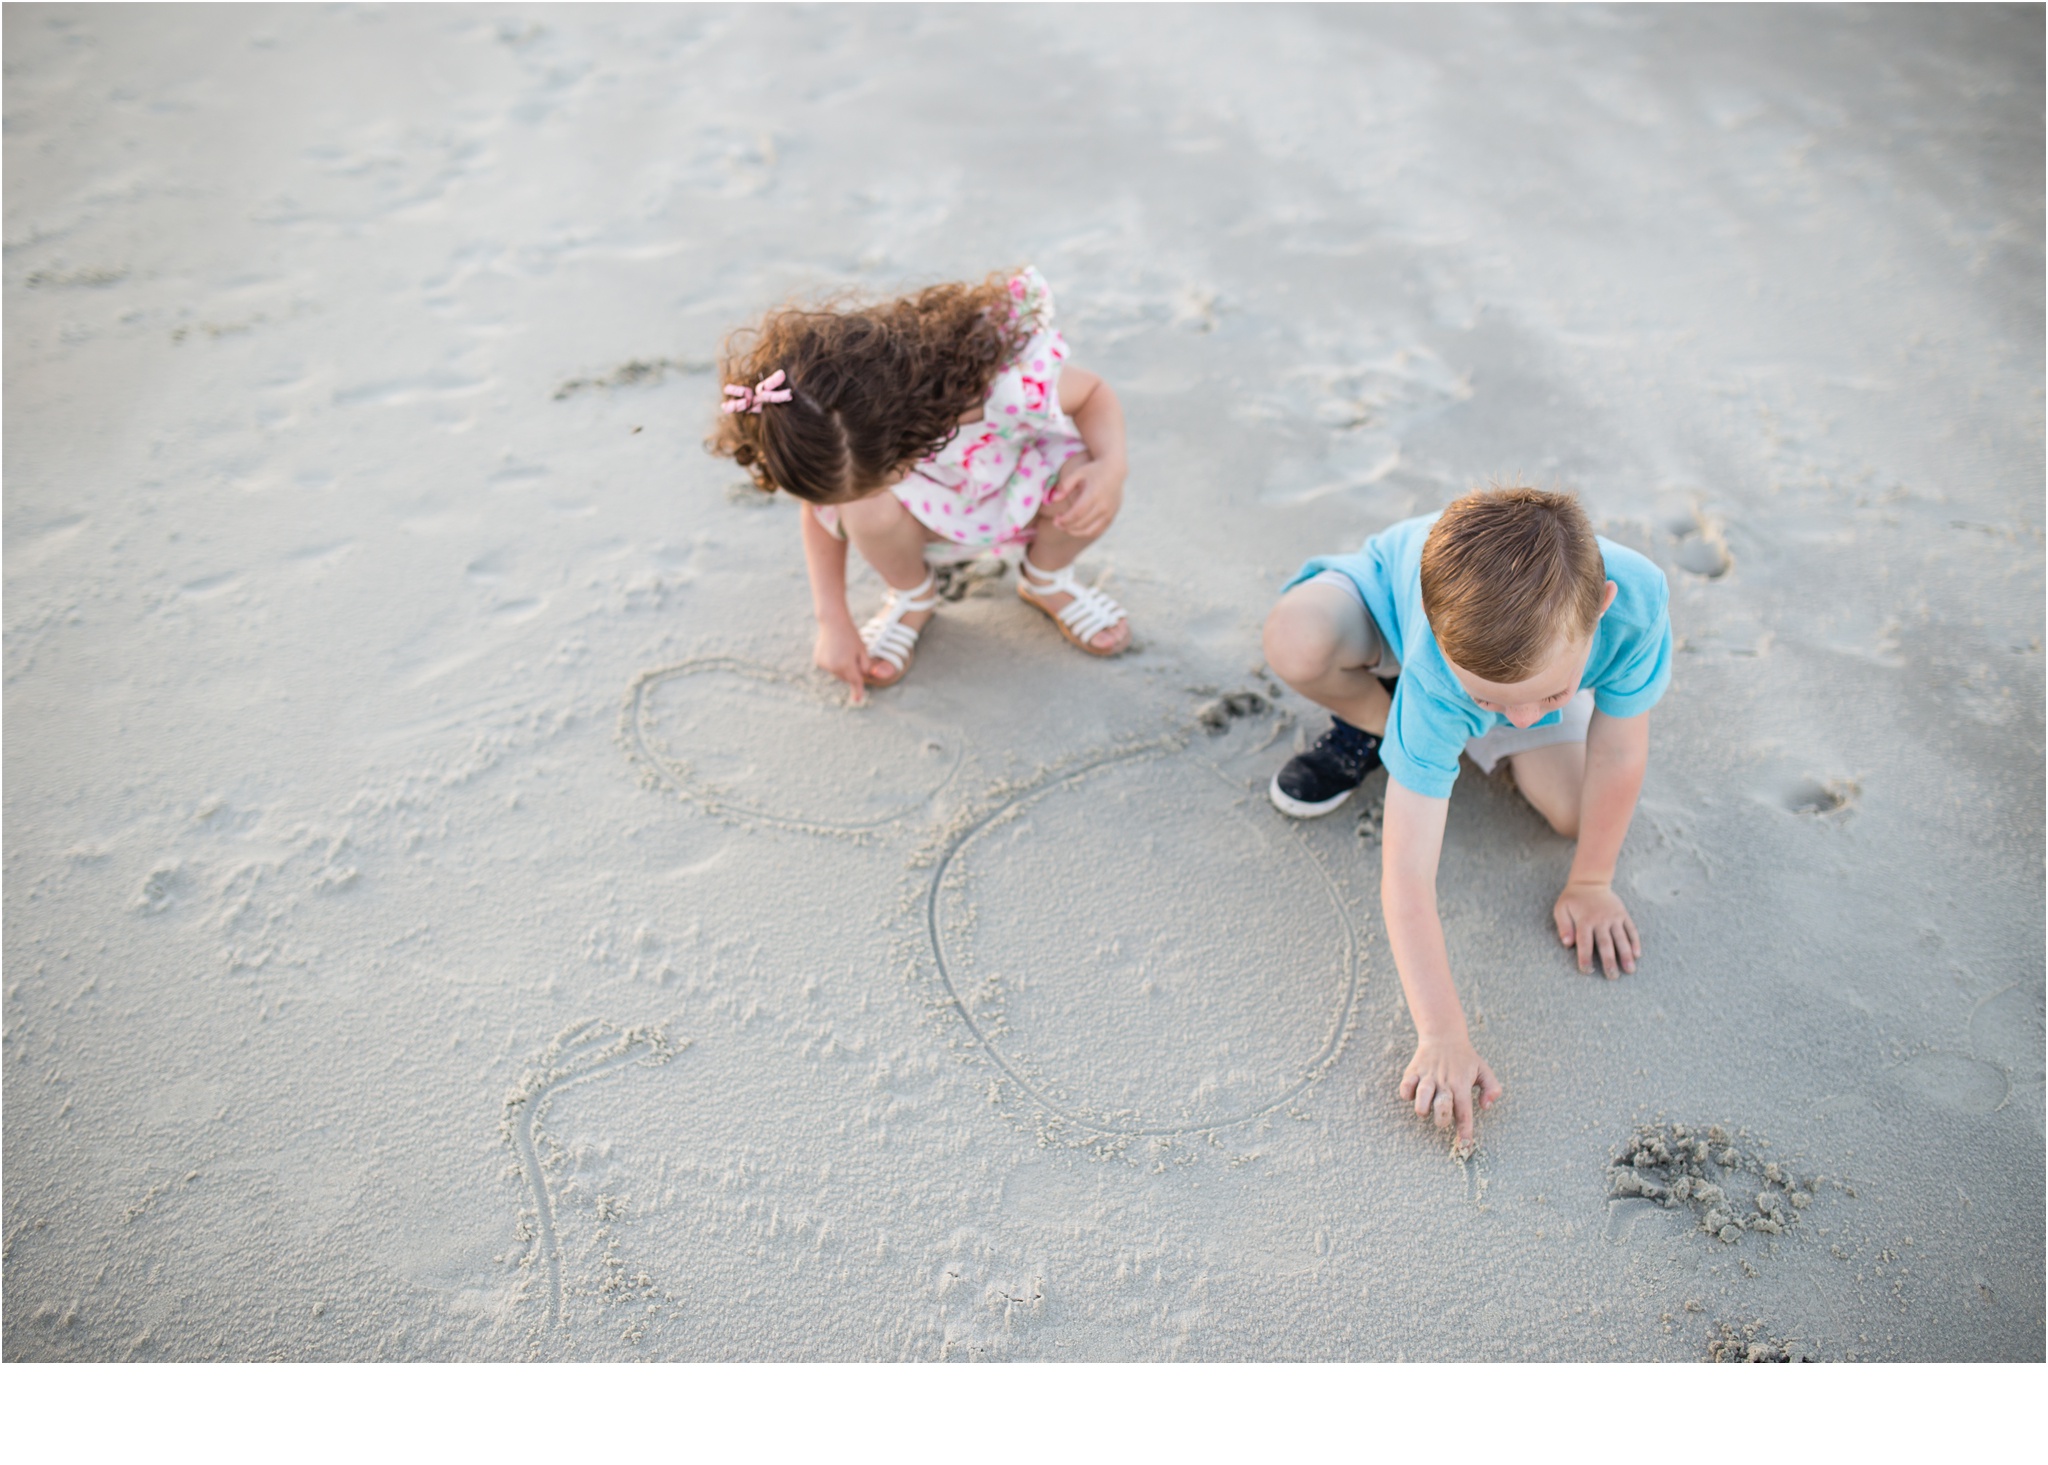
x=1553 y=779
x=1319 y=641
x=889 y=538
x=1054 y=548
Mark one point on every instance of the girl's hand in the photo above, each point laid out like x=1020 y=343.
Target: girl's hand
x=1590 y=916
x=1089 y=493
x=1440 y=1079
x=838 y=651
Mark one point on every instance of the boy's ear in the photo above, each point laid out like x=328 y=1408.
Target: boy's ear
x=1608 y=598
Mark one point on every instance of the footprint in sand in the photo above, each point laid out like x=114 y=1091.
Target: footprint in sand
x=1671 y=867
x=1822 y=797
x=1702 y=544
x=1368 y=405
x=1705 y=554
x=1954 y=1081
x=585 y=1051
x=161 y=890
x=757 y=744
x=2006 y=1030
x=1143 y=948
x=631 y=373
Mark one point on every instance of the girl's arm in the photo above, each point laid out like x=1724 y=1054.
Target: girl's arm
x=1446 y=1067
x=1589 y=914
x=1092 y=493
x=838 y=648
x=1097 y=414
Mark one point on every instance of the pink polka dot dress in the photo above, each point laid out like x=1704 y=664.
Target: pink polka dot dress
x=984 y=487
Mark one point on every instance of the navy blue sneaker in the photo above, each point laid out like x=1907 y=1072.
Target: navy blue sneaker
x=1321 y=779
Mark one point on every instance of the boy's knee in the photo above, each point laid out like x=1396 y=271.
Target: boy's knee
x=1552 y=779
x=1301 y=644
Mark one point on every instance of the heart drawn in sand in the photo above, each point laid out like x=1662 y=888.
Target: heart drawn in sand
x=761 y=745
x=1145 y=948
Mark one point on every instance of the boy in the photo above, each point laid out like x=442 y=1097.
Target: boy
x=1505 y=629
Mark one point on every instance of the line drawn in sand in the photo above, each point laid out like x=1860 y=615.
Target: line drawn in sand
x=588 y=1050
x=1475 y=1168
x=989 y=1035
x=874 y=769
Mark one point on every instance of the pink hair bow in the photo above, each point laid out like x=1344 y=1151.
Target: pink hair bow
x=743 y=400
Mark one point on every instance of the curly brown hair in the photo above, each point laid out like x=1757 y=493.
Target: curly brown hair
x=873 y=387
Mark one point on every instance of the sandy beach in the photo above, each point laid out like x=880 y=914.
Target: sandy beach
x=447 y=917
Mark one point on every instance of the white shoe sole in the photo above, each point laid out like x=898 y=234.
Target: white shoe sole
x=1296 y=809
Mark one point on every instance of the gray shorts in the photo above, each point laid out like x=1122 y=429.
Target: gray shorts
x=1503 y=742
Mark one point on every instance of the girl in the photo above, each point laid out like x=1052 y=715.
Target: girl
x=935 y=427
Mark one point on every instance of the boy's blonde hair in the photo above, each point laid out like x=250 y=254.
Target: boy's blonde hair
x=1510 y=573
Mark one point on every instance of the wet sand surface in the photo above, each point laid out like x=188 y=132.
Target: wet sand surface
x=445 y=917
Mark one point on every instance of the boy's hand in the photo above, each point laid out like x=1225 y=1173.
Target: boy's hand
x=1088 y=497
x=1590 y=916
x=1440 y=1079
x=838 y=651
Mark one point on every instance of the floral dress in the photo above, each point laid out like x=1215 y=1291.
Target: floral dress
x=988 y=482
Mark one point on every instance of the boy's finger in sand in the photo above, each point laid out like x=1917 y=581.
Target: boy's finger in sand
x=1468 y=1111
x=1440 y=1084
x=1445 y=1107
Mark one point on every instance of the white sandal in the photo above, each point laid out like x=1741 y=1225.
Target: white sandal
x=1081 y=619
x=887 y=638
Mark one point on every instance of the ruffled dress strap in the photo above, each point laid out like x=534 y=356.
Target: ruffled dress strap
x=1031 y=300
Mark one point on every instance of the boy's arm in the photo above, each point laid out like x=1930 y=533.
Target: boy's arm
x=1441 y=1075
x=838 y=648
x=1589 y=914
x=1093 y=492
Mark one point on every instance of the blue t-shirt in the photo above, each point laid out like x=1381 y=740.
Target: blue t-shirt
x=1433 y=716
